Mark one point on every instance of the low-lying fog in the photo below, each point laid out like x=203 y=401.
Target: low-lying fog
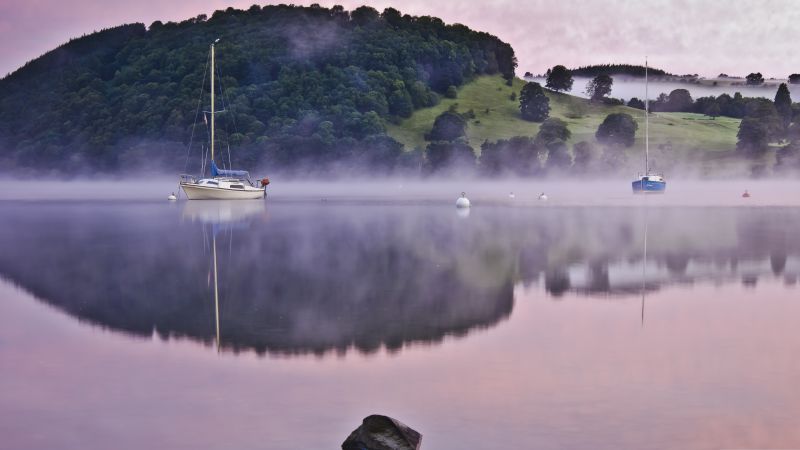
x=627 y=87
x=574 y=192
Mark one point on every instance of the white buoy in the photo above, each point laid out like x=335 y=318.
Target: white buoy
x=172 y=197
x=463 y=201
x=512 y=196
x=543 y=197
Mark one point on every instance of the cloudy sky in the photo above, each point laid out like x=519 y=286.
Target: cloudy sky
x=680 y=36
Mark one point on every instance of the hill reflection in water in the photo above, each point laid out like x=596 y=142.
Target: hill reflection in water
x=314 y=278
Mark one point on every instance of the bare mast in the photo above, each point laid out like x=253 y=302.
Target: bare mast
x=212 y=99
x=646 y=122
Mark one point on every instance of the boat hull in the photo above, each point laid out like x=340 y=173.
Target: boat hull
x=649 y=187
x=197 y=192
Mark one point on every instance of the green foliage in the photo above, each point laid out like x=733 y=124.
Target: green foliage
x=794 y=78
x=518 y=155
x=713 y=110
x=618 y=129
x=533 y=103
x=753 y=137
x=679 y=100
x=755 y=79
x=599 y=87
x=617 y=69
x=760 y=125
x=586 y=157
x=766 y=112
x=298 y=84
x=452 y=92
x=444 y=155
x=783 y=104
x=636 y=103
x=448 y=126
x=553 y=130
x=559 y=78
x=558 y=156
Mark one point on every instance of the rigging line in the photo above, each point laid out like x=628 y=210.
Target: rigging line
x=225 y=106
x=197 y=113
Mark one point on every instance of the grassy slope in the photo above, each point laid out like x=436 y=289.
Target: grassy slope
x=685 y=132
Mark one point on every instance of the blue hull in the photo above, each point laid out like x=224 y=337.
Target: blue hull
x=649 y=187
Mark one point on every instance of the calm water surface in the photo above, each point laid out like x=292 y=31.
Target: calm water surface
x=514 y=327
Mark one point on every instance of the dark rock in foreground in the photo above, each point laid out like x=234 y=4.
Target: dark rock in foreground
x=382 y=433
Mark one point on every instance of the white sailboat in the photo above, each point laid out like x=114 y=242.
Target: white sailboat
x=223 y=184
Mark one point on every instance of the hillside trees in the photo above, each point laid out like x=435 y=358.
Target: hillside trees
x=617 y=129
x=599 y=87
x=559 y=78
x=783 y=104
x=760 y=125
x=448 y=126
x=755 y=79
x=518 y=155
x=307 y=82
x=636 y=103
x=533 y=103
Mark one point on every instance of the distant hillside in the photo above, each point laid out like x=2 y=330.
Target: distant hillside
x=673 y=136
x=617 y=69
x=299 y=84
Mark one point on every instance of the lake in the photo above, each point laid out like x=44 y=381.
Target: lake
x=618 y=322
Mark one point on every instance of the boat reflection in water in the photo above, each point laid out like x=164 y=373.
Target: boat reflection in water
x=304 y=278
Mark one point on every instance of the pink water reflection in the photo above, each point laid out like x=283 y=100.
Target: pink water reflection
x=712 y=367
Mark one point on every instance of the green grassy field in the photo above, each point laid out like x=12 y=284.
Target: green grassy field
x=681 y=133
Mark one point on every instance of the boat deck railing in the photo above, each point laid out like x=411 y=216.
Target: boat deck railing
x=186 y=178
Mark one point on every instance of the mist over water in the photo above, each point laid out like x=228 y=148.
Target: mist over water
x=572 y=192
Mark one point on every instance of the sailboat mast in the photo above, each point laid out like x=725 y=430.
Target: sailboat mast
x=212 y=102
x=646 y=123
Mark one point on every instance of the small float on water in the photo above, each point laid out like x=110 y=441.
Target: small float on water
x=172 y=197
x=511 y=195
x=543 y=197
x=463 y=201
x=746 y=194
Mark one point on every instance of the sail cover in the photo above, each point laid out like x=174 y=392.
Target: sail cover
x=217 y=172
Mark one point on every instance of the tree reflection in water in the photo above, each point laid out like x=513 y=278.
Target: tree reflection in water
x=303 y=278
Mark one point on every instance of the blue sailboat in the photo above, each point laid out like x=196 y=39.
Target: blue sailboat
x=648 y=182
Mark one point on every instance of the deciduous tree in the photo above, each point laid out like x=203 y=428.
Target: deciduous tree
x=599 y=87
x=755 y=79
x=559 y=78
x=617 y=129
x=533 y=103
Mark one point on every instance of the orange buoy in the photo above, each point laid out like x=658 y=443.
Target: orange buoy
x=264 y=181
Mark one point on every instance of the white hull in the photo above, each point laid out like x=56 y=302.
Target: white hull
x=197 y=192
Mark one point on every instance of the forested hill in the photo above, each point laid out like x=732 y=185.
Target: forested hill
x=618 y=69
x=299 y=84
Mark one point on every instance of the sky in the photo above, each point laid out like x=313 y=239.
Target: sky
x=707 y=37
